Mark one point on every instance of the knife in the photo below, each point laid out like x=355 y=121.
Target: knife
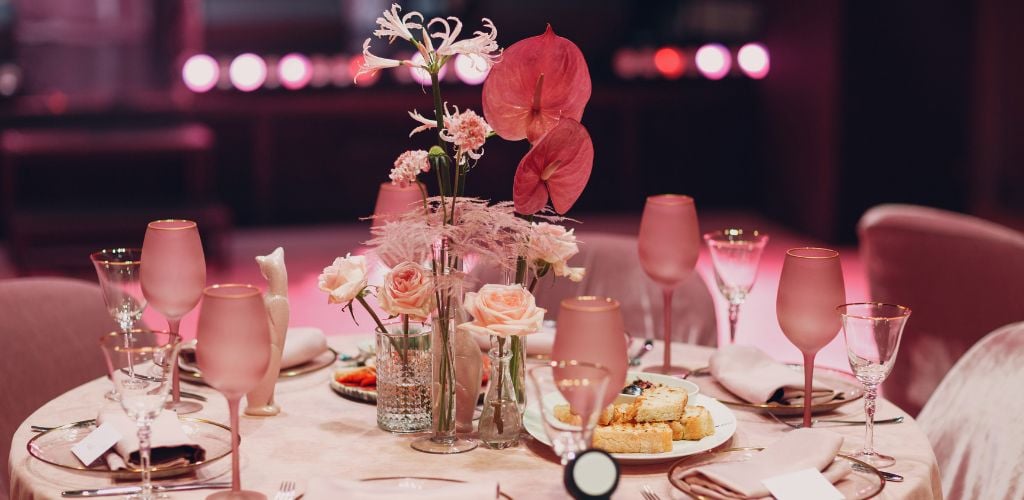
x=128 y=490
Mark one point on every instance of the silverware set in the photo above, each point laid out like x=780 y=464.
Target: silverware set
x=837 y=422
x=129 y=490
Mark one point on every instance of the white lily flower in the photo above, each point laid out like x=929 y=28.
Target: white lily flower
x=393 y=26
x=426 y=123
x=372 y=63
x=483 y=44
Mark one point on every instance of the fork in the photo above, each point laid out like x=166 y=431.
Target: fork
x=286 y=491
x=649 y=493
x=894 y=420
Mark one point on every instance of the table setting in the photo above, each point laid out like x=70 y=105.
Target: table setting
x=460 y=389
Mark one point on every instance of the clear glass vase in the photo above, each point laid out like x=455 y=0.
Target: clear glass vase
x=501 y=421
x=404 y=365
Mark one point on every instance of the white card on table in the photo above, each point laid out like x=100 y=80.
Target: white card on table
x=806 y=484
x=96 y=443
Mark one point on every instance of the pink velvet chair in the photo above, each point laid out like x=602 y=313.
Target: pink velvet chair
x=962 y=276
x=613 y=270
x=973 y=420
x=50 y=331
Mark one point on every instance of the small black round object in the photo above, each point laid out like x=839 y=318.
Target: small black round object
x=592 y=475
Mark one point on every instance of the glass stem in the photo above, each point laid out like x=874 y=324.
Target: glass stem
x=734 y=317
x=869 y=412
x=236 y=479
x=667 y=336
x=146 y=489
x=808 y=385
x=173 y=325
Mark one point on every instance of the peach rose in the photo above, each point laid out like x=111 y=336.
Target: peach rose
x=503 y=310
x=555 y=245
x=344 y=279
x=407 y=290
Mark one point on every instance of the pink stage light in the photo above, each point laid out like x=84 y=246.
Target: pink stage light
x=365 y=79
x=670 y=62
x=420 y=75
x=200 y=73
x=472 y=69
x=713 y=61
x=248 y=72
x=753 y=60
x=295 y=71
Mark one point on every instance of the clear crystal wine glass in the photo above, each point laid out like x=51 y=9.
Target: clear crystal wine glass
x=233 y=352
x=119 y=277
x=736 y=255
x=668 y=245
x=872 y=331
x=139 y=362
x=173 y=276
x=810 y=289
x=580 y=384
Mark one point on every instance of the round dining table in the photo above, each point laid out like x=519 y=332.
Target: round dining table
x=321 y=434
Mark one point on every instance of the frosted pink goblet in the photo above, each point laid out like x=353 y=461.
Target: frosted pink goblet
x=173 y=274
x=668 y=244
x=810 y=289
x=591 y=329
x=393 y=201
x=233 y=352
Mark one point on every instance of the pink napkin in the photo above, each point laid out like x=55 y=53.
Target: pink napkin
x=332 y=488
x=798 y=450
x=757 y=378
x=170 y=446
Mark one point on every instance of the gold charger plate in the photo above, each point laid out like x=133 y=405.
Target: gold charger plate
x=863 y=481
x=422 y=483
x=321 y=361
x=53 y=447
x=847 y=388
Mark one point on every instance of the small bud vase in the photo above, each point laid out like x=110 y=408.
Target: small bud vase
x=501 y=422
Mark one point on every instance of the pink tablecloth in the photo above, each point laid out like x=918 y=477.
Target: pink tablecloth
x=321 y=434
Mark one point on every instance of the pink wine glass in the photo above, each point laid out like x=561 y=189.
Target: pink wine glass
x=173 y=274
x=233 y=352
x=810 y=289
x=669 y=244
x=591 y=329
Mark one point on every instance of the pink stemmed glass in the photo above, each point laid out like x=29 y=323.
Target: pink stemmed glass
x=669 y=244
x=393 y=201
x=233 y=352
x=591 y=329
x=173 y=275
x=810 y=289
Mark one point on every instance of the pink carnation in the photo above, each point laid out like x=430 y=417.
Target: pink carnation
x=408 y=165
x=468 y=131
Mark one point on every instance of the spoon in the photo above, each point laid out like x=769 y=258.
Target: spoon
x=644 y=349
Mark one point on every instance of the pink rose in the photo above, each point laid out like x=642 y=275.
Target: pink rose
x=555 y=245
x=503 y=310
x=344 y=279
x=407 y=290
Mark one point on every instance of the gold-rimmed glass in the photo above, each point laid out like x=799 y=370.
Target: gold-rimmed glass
x=582 y=385
x=736 y=255
x=118 y=271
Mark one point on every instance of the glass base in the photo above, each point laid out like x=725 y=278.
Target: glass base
x=112 y=395
x=155 y=496
x=183 y=407
x=442 y=446
x=237 y=495
x=875 y=459
x=678 y=371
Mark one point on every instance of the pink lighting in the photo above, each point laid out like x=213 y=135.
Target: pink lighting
x=420 y=75
x=471 y=69
x=713 y=61
x=248 y=72
x=200 y=73
x=670 y=62
x=753 y=60
x=295 y=71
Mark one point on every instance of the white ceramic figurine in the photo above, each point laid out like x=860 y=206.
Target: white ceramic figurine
x=260 y=401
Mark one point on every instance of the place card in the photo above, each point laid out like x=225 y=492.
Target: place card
x=806 y=484
x=96 y=443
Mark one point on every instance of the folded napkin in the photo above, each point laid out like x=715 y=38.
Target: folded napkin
x=332 y=488
x=757 y=378
x=170 y=446
x=537 y=344
x=800 y=449
x=301 y=345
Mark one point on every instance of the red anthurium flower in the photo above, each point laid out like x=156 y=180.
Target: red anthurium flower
x=538 y=81
x=557 y=166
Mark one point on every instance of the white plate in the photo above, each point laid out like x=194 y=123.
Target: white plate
x=667 y=380
x=725 y=427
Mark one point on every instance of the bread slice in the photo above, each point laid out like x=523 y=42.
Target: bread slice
x=696 y=424
x=661 y=404
x=620 y=413
x=633 y=438
x=565 y=415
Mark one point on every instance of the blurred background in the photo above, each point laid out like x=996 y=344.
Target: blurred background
x=243 y=114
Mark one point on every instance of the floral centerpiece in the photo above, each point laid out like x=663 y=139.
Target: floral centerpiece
x=536 y=90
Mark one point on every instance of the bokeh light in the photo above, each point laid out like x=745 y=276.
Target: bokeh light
x=472 y=69
x=713 y=61
x=753 y=60
x=248 y=72
x=365 y=79
x=422 y=76
x=670 y=62
x=294 y=71
x=200 y=73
